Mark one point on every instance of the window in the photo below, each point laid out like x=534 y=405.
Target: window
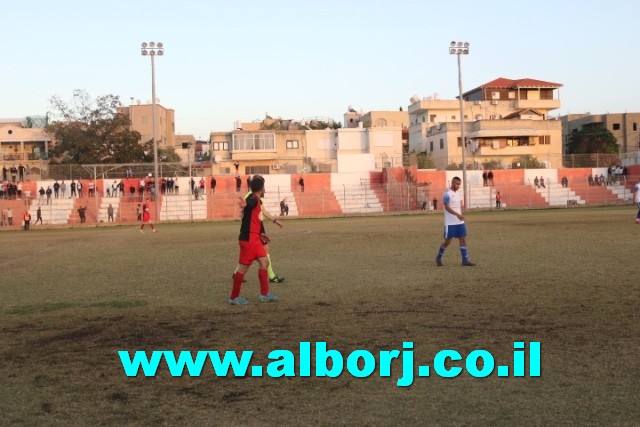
x=635 y=127
x=221 y=146
x=495 y=95
x=545 y=140
x=453 y=117
x=254 y=142
x=441 y=143
x=424 y=119
x=257 y=170
x=432 y=118
x=511 y=95
x=292 y=144
x=616 y=126
x=430 y=145
x=383 y=123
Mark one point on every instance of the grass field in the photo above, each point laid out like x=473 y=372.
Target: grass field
x=568 y=278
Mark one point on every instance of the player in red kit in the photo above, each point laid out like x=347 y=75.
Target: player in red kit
x=146 y=219
x=252 y=241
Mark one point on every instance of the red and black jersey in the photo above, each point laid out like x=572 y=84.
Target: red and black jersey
x=251 y=223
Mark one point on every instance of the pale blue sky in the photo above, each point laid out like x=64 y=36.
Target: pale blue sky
x=237 y=60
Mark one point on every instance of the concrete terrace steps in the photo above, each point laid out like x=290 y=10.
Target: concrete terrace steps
x=357 y=199
x=557 y=195
x=184 y=207
x=58 y=211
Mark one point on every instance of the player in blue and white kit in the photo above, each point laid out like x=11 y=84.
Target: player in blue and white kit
x=454 y=226
x=636 y=192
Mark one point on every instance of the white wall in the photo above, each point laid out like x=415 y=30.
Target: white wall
x=348 y=163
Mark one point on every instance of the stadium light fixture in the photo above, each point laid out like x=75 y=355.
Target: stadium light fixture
x=461 y=48
x=153 y=49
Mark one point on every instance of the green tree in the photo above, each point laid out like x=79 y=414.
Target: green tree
x=425 y=161
x=91 y=132
x=592 y=139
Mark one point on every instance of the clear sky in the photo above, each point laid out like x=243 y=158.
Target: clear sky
x=239 y=60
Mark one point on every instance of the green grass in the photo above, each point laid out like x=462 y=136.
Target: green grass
x=70 y=299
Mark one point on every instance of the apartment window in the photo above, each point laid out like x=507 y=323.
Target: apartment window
x=432 y=118
x=635 y=127
x=292 y=144
x=424 y=119
x=545 y=140
x=257 y=170
x=441 y=143
x=616 y=126
x=430 y=145
x=495 y=95
x=254 y=142
x=221 y=146
x=512 y=94
x=453 y=117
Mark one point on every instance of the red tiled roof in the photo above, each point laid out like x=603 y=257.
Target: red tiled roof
x=502 y=83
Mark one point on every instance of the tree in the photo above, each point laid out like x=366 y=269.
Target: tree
x=92 y=131
x=592 y=139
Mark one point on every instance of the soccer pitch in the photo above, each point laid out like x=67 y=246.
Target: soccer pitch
x=567 y=278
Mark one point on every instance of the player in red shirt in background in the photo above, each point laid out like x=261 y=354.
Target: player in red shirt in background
x=252 y=244
x=146 y=219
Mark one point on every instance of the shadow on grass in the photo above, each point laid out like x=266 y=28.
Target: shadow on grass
x=45 y=308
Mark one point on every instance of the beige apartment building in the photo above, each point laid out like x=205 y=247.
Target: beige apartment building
x=23 y=142
x=624 y=126
x=504 y=120
x=288 y=146
x=141 y=117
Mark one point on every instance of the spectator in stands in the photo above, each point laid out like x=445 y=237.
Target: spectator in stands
x=27 y=220
x=490 y=178
x=63 y=189
x=202 y=186
x=4 y=172
x=536 y=182
x=19 y=190
x=238 y=183
x=82 y=213
x=192 y=184
x=49 y=191
x=56 y=189
x=213 y=184
x=301 y=184
x=110 y=213
x=139 y=212
x=590 y=180
x=38 y=216
x=10 y=216
x=601 y=179
x=284 y=208
x=498 y=200
x=41 y=192
x=542 y=182
x=72 y=188
x=79 y=188
x=132 y=192
x=565 y=182
x=484 y=178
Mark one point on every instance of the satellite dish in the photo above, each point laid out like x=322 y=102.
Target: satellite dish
x=138 y=102
x=414 y=99
x=217 y=158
